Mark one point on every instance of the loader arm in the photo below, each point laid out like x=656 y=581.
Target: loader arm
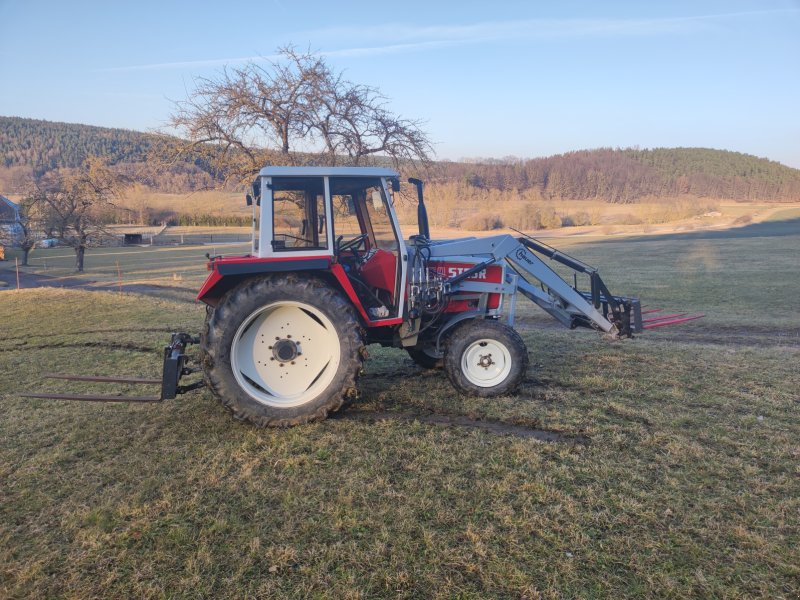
x=596 y=308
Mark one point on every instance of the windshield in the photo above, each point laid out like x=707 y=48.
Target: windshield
x=360 y=206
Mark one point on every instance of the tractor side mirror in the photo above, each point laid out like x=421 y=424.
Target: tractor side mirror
x=422 y=211
x=394 y=182
x=248 y=200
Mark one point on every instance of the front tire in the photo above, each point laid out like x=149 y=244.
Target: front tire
x=283 y=350
x=485 y=358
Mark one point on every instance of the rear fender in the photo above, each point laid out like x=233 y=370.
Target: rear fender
x=227 y=273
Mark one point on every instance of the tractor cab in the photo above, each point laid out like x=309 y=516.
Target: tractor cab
x=343 y=214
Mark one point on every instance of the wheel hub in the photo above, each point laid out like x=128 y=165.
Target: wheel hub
x=282 y=369
x=485 y=361
x=285 y=350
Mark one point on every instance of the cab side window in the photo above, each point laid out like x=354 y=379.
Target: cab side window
x=298 y=214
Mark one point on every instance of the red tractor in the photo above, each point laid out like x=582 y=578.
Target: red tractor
x=330 y=273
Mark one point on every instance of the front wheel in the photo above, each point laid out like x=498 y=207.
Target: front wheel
x=485 y=358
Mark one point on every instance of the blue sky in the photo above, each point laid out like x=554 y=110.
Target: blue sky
x=489 y=79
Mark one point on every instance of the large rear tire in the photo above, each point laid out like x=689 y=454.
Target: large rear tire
x=283 y=350
x=485 y=358
x=204 y=357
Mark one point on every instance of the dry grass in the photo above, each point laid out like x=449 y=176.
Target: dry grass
x=452 y=206
x=688 y=485
x=137 y=199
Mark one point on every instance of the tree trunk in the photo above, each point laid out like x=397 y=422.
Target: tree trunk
x=79 y=252
x=285 y=140
x=25 y=252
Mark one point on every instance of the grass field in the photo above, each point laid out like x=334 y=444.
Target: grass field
x=178 y=266
x=677 y=474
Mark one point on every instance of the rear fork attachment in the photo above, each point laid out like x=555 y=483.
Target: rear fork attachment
x=176 y=366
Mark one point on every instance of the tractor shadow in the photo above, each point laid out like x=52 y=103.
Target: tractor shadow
x=445 y=420
x=377 y=405
x=789 y=227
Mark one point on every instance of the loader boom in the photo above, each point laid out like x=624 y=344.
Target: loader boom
x=596 y=308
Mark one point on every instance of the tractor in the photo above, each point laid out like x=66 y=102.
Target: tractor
x=329 y=273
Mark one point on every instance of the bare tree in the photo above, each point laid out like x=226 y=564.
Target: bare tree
x=294 y=106
x=353 y=120
x=77 y=206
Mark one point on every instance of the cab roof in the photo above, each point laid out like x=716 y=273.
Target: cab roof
x=327 y=171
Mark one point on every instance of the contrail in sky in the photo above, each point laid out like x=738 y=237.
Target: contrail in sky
x=414 y=39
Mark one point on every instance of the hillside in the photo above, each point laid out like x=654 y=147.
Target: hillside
x=630 y=175
x=45 y=145
x=29 y=146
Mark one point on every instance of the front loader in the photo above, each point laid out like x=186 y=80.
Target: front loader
x=329 y=273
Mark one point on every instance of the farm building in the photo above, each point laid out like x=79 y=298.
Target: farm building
x=9 y=215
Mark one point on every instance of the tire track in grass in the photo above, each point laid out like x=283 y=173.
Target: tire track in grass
x=489 y=426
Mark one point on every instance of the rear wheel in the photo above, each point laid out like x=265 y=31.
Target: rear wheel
x=283 y=350
x=485 y=358
x=204 y=360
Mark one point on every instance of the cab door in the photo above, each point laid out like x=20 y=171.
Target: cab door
x=362 y=206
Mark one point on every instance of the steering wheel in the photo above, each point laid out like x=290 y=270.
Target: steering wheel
x=351 y=245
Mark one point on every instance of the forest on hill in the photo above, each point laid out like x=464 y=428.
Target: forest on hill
x=632 y=175
x=30 y=148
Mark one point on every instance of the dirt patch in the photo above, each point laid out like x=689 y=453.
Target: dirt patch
x=494 y=427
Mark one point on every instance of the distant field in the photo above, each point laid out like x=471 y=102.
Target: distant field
x=178 y=265
x=692 y=270
x=785 y=214
x=208 y=202
x=678 y=477
x=447 y=210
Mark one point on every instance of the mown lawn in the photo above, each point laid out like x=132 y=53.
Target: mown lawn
x=678 y=476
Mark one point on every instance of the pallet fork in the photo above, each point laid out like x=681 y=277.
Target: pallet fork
x=175 y=367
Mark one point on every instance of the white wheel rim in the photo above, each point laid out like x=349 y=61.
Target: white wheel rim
x=486 y=363
x=285 y=354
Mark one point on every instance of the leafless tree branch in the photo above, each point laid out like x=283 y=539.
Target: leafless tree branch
x=295 y=107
